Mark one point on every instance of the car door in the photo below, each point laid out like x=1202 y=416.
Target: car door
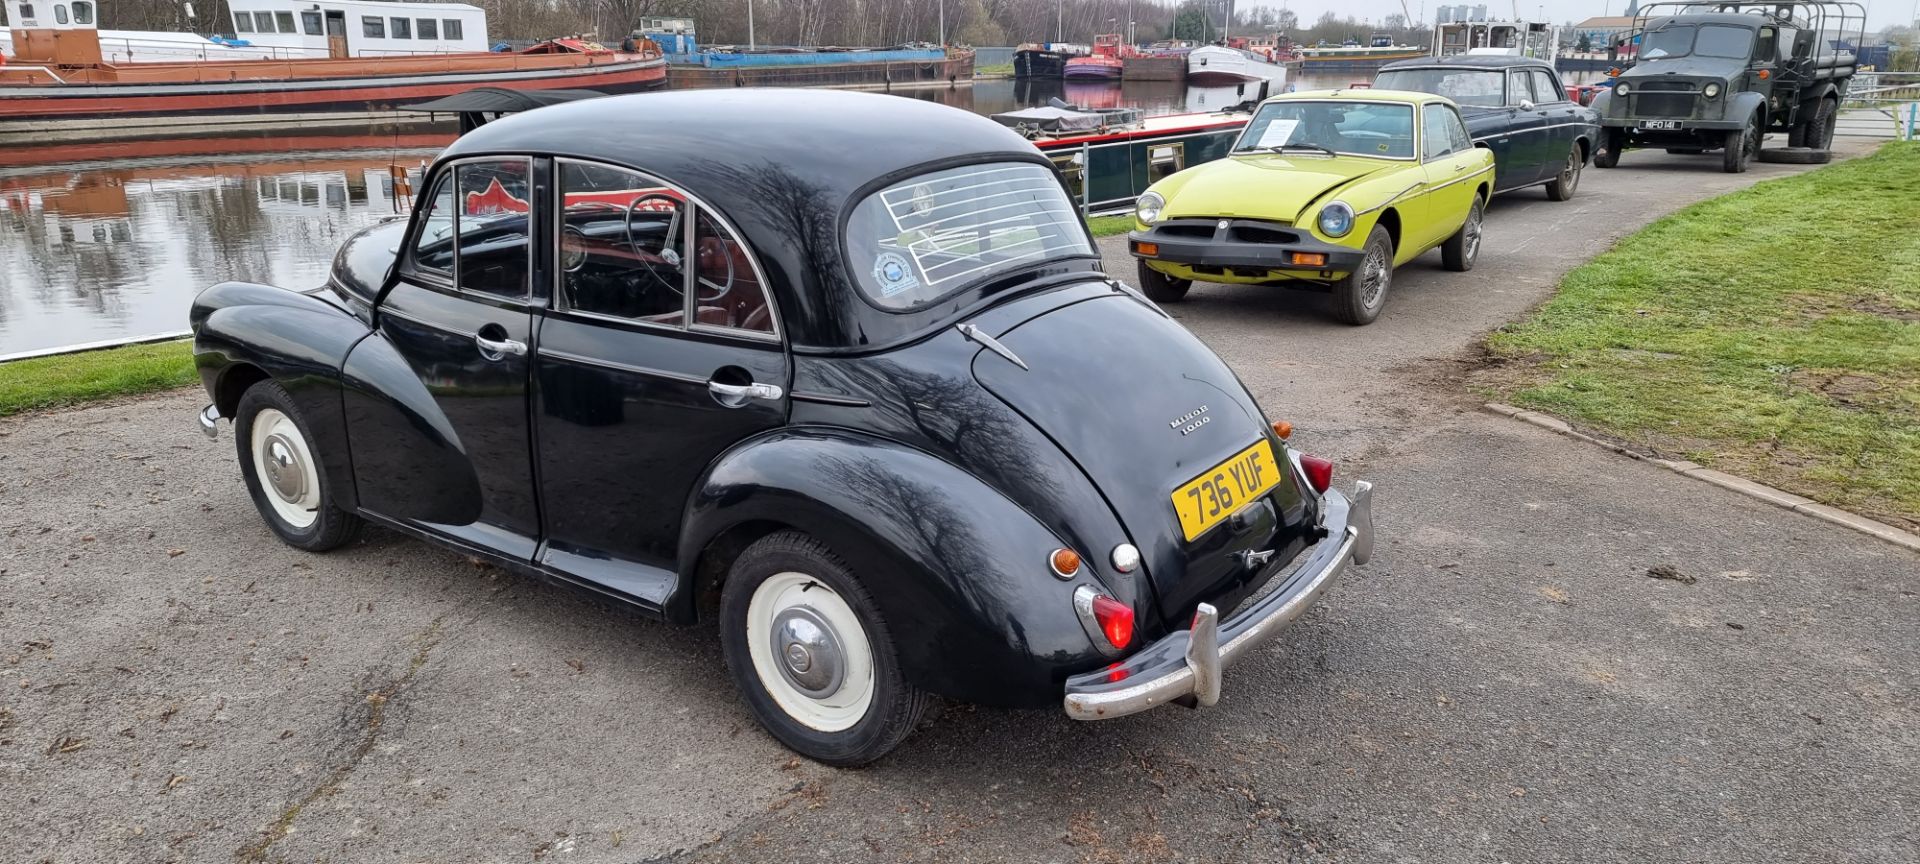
x=659 y=351
x=1560 y=121
x=1450 y=162
x=437 y=396
x=1526 y=127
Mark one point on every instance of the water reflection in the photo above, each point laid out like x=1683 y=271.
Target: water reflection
x=98 y=252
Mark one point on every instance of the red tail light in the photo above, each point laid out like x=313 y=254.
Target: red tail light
x=1319 y=472
x=1115 y=618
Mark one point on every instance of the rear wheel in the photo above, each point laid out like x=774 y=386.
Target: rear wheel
x=1161 y=288
x=1612 y=141
x=1358 y=298
x=284 y=474
x=1561 y=188
x=811 y=655
x=1820 y=131
x=1463 y=248
x=1740 y=146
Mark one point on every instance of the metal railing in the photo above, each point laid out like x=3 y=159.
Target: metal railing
x=1881 y=105
x=1077 y=165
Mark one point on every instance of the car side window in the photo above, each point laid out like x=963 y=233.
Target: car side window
x=622 y=245
x=1545 y=89
x=1457 y=129
x=731 y=295
x=493 y=227
x=1519 y=87
x=1436 y=136
x=433 y=246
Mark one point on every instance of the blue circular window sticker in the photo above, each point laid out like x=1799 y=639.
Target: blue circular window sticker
x=894 y=274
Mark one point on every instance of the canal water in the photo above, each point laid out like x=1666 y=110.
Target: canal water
x=104 y=242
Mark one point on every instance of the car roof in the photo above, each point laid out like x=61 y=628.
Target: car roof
x=732 y=147
x=1361 y=94
x=1471 y=61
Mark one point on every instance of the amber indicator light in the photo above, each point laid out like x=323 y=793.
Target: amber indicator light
x=1066 y=562
x=1283 y=429
x=1309 y=259
x=1147 y=248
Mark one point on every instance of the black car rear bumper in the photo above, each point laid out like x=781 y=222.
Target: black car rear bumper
x=1229 y=244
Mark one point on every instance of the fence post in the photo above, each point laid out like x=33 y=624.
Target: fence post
x=1086 y=180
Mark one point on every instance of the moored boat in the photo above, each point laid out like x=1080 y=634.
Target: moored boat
x=1044 y=60
x=1106 y=61
x=1218 y=64
x=58 y=80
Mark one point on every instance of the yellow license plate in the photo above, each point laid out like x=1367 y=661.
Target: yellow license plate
x=1213 y=496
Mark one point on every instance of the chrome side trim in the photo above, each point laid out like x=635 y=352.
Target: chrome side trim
x=1461 y=179
x=1390 y=201
x=1533 y=129
x=620 y=367
x=828 y=399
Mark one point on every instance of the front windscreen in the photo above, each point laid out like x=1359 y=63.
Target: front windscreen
x=1710 y=40
x=922 y=239
x=1481 y=87
x=1356 y=128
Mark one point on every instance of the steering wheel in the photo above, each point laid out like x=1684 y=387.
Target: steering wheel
x=667 y=241
x=720 y=289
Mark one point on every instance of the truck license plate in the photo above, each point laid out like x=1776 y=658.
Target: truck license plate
x=1659 y=124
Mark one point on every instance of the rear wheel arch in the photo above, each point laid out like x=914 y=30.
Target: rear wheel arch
x=715 y=560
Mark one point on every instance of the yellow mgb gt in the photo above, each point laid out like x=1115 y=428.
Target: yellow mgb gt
x=1326 y=190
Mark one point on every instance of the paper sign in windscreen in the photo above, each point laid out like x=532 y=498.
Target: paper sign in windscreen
x=1277 y=132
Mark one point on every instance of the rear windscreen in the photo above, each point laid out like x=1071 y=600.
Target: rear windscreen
x=919 y=240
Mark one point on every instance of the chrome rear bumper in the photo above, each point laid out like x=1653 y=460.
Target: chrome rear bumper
x=1188 y=662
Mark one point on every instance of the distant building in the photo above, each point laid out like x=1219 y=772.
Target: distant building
x=1602 y=31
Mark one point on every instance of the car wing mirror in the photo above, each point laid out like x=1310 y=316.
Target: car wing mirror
x=1526 y=104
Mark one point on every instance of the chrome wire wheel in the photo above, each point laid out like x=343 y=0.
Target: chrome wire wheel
x=284 y=463
x=1375 y=274
x=810 y=652
x=1472 y=228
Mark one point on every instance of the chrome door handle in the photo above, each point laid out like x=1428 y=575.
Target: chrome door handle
x=496 y=349
x=738 y=394
x=1459 y=167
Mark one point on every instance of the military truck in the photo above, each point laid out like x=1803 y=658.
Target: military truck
x=1709 y=75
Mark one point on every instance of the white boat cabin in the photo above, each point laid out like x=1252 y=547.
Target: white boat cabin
x=357 y=28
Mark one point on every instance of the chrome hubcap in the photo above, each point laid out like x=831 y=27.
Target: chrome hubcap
x=1473 y=233
x=812 y=660
x=284 y=472
x=1571 y=177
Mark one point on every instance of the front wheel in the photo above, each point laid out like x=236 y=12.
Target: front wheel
x=1358 y=298
x=283 y=472
x=1740 y=146
x=1161 y=288
x=1463 y=248
x=1561 y=188
x=811 y=655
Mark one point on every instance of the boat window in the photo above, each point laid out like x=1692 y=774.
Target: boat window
x=622 y=243
x=922 y=239
x=1356 y=128
x=1478 y=87
x=26 y=14
x=263 y=22
x=429 y=28
x=310 y=22
x=403 y=28
x=451 y=27
x=83 y=12
x=1519 y=87
x=285 y=21
x=373 y=27
x=492 y=227
x=243 y=22
x=59 y=14
x=1547 y=89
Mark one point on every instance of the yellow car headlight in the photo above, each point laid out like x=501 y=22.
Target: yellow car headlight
x=1147 y=208
x=1336 y=219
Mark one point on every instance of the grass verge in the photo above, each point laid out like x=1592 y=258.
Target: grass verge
x=70 y=379
x=1773 y=333
x=998 y=70
x=1104 y=226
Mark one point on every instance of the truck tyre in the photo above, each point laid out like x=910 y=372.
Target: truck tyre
x=1796 y=156
x=1685 y=151
x=1359 y=297
x=1740 y=146
x=1820 y=131
x=1562 y=186
x=1161 y=288
x=1612 y=141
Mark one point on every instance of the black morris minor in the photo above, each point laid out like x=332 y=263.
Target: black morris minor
x=874 y=410
x=1514 y=106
